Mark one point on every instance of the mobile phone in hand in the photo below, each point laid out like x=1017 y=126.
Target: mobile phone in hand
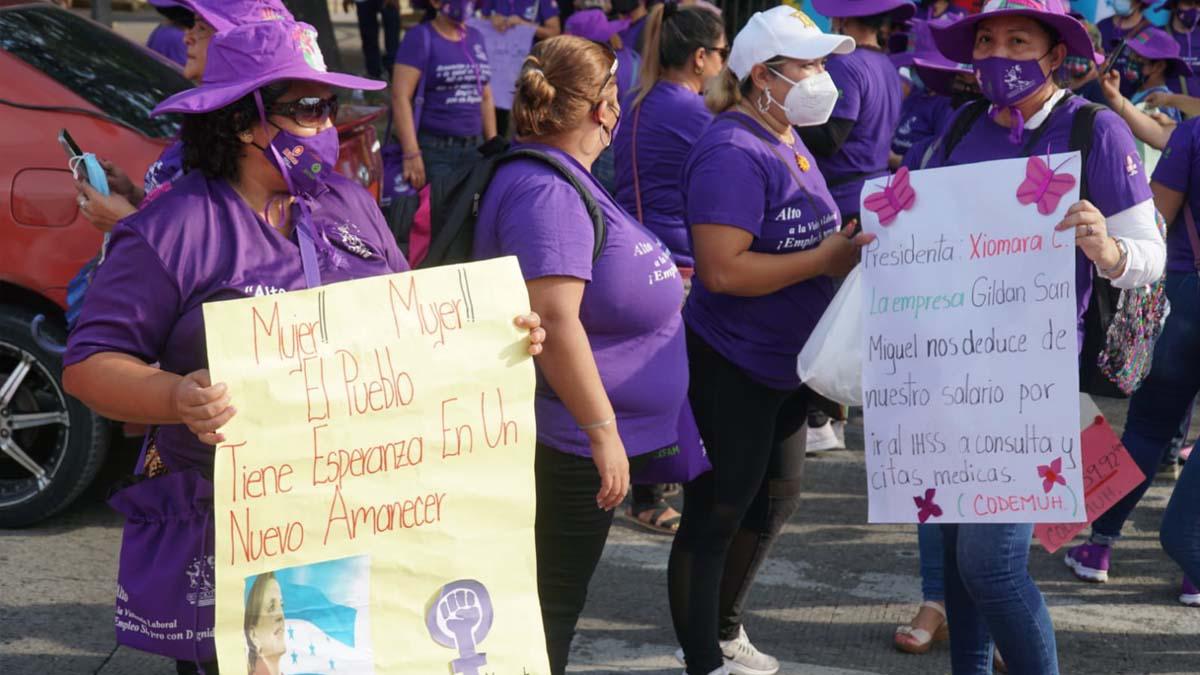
x=70 y=147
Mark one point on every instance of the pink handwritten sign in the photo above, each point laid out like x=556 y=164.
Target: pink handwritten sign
x=1108 y=475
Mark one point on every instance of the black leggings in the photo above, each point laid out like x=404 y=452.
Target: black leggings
x=732 y=514
x=570 y=532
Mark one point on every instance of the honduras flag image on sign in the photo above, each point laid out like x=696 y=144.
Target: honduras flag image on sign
x=321 y=626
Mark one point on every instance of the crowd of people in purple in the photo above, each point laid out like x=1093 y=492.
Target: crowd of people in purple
x=728 y=175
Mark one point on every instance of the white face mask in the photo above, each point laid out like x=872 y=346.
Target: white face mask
x=810 y=101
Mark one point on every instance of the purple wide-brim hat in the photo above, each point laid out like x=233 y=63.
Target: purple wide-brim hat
x=1156 y=44
x=901 y=10
x=251 y=56
x=225 y=15
x=168 y=3
x=592 y=24
x=956 y=41
x=922 y=52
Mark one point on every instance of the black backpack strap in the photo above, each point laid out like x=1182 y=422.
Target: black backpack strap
x=1083 y=126
x=971 y=112
x=599 y=225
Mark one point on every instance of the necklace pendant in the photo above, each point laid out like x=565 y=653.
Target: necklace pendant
x=803 y=163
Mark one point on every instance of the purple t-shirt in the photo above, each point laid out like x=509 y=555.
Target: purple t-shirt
x=734 y=178
x=165 y=170
x=453 y=75
x=536 y=11
x=671 y=120
x=1189 y=50
x=1116 y=179
x=923 y=115
x=630 y=306
x=167 y=39
x=1179 y=170
x=197 y=243
x=633 y=34
x=871 y=95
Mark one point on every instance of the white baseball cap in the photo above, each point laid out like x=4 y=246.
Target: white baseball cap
x=782 y=31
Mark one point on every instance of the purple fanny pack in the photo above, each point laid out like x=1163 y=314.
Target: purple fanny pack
x=166 y=580
x=678 y=463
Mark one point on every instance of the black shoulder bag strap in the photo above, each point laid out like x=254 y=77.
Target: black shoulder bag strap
x=599 y=225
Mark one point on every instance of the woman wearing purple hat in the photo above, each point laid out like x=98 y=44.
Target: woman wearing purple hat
x=1014 y=46
x=1150 y=60
x=925 y=111
x=1128 y=19
x=1185 y=17
x=613 y=378
x=104 y=211
x=767 y=237
x=167 y=37
x=248 y=219
x=441 y=99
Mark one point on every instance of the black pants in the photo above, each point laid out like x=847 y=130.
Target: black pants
x=732 y=514
x=570 y=532
x=369 y=12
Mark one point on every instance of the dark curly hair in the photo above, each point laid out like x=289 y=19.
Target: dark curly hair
x=210 y=140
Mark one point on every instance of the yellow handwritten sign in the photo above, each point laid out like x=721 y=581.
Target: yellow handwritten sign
x=375 y=493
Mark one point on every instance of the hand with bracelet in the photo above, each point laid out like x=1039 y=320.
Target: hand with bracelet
x=414 y=169
x=1091 y=236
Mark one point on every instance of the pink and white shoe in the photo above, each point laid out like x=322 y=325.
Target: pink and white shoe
x=1189 y=594
x=1089 y=562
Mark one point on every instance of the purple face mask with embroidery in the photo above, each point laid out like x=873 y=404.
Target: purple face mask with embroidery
x=307 y=160
x=458 y=10
x=1006 y=82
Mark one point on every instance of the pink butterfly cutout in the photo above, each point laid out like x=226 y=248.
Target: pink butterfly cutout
x=898 y=195
x=1051 y=474
x=926 y=508
x=1044 y=186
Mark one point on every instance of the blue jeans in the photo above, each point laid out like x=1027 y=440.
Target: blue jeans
x=1180 y=534
x=1157 y=409
x=933 y=578
x=369 y=12
x=991 y=597
x=443 y=155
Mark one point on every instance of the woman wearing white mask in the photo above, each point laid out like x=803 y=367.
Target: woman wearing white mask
x=767 y=238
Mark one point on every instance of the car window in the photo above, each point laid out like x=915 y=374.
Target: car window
x=108 y=71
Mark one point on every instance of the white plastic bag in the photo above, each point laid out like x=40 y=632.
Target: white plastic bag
x=831 y=361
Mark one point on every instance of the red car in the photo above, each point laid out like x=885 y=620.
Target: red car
x=61 y=71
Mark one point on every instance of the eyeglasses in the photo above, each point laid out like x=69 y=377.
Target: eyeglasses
x=310 y=112
x=612 y=70
x=723 y=51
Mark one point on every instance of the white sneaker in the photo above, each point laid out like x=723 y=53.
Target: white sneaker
x=743 y=658
x=839 y=430
x=822 y=439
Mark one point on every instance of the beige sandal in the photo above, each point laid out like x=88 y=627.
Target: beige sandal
x=912 y=640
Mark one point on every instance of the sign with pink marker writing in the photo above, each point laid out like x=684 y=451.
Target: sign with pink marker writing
x=970 y=381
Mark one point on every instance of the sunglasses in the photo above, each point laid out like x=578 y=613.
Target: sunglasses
x=310 y=112
x=723 y=51
x=612 y=70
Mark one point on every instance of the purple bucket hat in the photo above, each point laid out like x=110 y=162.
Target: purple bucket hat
x=593 y=25
x=957 y=40
x=901 y=10
x=224 y=15
x=923 y=53
x=1155 y=44
x=254 y=55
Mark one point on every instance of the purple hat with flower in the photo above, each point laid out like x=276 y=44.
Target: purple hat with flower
x=957 y=40
x=592 y=24
x=901 y=10
x=251 y=56
x=224 y=15
x=1155 y=44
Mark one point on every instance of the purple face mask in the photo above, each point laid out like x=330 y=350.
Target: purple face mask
x=1189 y=17
x=307 y=160
x=1006 y=82
x=458 y=10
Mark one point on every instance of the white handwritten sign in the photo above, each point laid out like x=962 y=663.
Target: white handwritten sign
x=970 y=382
